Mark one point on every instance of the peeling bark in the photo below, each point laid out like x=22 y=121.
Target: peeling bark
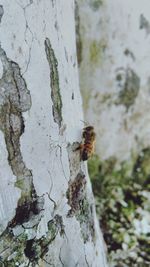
x=15 y=99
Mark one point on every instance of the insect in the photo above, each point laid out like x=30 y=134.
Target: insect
x=87 y=147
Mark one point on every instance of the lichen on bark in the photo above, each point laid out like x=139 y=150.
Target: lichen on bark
x=96 y=4
x=144 y=24
x=16 y=249
x=15 y=99
x=54 y=82
x=129 y=85
x=77 y=195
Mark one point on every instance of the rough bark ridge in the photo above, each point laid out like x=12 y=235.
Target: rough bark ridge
x=44 y=187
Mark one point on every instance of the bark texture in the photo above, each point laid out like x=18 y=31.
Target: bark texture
x=47 y=213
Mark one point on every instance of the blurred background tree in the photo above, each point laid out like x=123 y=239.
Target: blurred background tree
x=114 y=66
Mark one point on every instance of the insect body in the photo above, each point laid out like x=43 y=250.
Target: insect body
x=87 y=147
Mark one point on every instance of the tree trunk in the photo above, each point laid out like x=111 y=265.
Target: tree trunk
x=113 y=52
x=114 y=57
x=47 y=213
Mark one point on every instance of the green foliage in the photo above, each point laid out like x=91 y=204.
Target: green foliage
x=123 y=203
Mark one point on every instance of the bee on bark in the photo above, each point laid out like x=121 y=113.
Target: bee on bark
x=88 y=144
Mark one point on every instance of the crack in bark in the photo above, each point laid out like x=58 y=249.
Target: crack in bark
x=37 y=248
x=62 y=162
x=54 y=78
x=25 y=32
x=86 y=261
x=49 y=194
x=61 y=258
x=86 y=258
x=32 y=38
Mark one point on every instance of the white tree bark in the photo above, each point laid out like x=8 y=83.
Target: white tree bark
x=114 y=52
x=47 y=214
